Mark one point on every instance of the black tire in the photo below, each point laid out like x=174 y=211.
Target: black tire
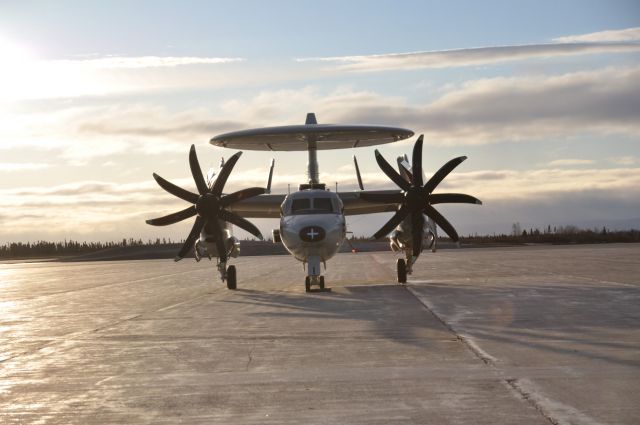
x=231 y=277
x=307 y=284
x=402 y=270
x=321 y=282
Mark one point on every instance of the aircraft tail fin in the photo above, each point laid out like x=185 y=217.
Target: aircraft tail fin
x=311 y=119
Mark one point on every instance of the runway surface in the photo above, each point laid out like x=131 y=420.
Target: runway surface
x=537 y=335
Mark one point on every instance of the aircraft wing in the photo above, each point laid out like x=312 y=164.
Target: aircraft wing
x=261 y=206
x=354 y=204
x=268 y=206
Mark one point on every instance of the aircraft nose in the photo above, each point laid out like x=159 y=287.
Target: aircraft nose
x=312 y=234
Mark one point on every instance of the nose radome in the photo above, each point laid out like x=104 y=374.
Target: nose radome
x=312 y=234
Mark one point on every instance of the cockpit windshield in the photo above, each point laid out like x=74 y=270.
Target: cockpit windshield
x=320 y=205
x=300 y=205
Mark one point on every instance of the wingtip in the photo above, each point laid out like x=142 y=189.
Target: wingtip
x=148 y=221
x=478 y=202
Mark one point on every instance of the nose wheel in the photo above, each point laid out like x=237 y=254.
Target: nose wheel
x=310 y=281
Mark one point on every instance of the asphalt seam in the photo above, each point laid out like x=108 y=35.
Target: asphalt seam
x=511 y=383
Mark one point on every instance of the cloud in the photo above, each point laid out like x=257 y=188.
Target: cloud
x=470 y=56
x=605 y=101
x=69 y=78
x=570 y=161
x=8 y=167
x=628 y=34
x=102 y=210
x=624 y=160
x=120 y=62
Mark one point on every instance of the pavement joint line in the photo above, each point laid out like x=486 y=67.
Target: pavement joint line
x=512 y=384
x=477 y=352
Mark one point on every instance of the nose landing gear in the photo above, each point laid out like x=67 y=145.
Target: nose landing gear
x=313 y=281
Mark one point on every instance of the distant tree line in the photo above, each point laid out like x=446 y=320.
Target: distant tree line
x=556 y=235
x=44 y=249
x=550 y=235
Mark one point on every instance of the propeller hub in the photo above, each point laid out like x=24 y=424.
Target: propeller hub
x=207 y=205
x=414 y=199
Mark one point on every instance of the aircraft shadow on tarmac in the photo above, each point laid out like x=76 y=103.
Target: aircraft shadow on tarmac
x=390 y=311
x=570 y=320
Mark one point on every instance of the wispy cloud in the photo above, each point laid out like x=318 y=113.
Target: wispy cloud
x=470 y=56
x=628 y=34
x=570 y=161
x=624 y=160
x=123 y=62
x=8 y=167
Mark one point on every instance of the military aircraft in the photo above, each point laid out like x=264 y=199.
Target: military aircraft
x=312 y=219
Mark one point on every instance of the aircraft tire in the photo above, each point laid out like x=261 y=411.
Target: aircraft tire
x=307 y=284
x=402 y=270
x=231 y=277
x=321 y=282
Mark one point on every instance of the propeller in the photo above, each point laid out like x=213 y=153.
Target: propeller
x=416 y=197
x=209 y=205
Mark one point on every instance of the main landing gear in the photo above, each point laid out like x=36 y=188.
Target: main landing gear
x=227 y=274
x=313 y=280
x=401 y=266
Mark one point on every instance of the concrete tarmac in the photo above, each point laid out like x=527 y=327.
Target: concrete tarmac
x=535 y=335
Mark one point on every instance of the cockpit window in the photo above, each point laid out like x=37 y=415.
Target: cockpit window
x=299 y=205
x=322 y=205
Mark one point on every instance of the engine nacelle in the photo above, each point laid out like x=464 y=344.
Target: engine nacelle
x=233 y=244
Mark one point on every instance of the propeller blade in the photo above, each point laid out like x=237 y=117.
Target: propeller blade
x=175 y=190
x=444 y=224
x=383 y=198
x=355 y=162
x=453 y=198
x=403 y=167
x=416 y=162
x=417 y=224
x=240 y=222
x=188 y=244
x=173 y=218
x=442 y=173
x=393 y=222
x=196 y=171
x=240 y=195
x=224 y=174
x=391 y=173
x=273 y=163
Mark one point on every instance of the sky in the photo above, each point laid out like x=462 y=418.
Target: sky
x=542 y=96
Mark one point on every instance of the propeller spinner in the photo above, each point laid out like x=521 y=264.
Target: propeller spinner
x=416 y=198
x=209 y=205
